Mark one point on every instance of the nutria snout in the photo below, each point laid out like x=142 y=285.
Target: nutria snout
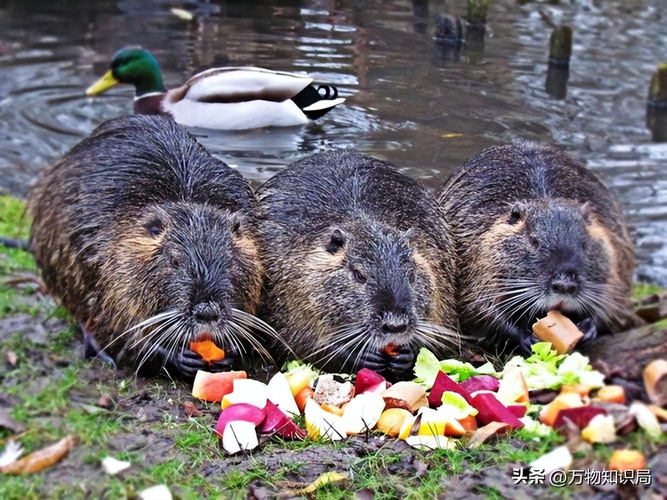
x=358 y=258
x=150 y=243
x=536 y=231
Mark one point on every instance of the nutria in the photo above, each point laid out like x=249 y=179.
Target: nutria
x=149 y=242
x=358 y=257
x=536 y=231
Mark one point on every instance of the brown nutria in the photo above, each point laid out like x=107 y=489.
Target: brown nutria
x=149 y=242
x=358 y=257
x=536 y=231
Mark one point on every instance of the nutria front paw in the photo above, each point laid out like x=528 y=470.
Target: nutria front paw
x=590 y=331
x=526 y=343
x=392 y=367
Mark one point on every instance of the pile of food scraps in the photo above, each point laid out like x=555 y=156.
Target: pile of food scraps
x=450 y=405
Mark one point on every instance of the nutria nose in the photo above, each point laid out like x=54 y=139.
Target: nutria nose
x=206 y=312
x=394 y=326
x=565 y=283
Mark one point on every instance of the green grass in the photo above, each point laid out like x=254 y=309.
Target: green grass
x=640 y=290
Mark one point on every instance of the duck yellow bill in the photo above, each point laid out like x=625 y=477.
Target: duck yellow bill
x=103 y=84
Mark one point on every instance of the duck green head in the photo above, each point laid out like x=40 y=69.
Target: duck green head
x=131 y=65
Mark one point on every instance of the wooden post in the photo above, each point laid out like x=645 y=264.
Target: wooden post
x=477 y=12
x=656 y=106
x=560 y=46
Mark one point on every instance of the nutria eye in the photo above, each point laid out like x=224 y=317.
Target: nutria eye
x=535 y=241
x=175 y=261
x=236 y=226
x=154 y=228
x=359 y=278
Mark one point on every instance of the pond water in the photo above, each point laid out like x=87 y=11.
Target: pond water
x=422 y=106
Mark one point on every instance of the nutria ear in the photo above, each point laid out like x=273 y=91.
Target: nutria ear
x=409 y=234
x=337 y=241
x=518 y=212
x=587 y=210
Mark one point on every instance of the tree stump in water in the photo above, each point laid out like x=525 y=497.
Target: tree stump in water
x=625 y=355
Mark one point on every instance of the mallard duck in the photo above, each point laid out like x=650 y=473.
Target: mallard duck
x=232 y=98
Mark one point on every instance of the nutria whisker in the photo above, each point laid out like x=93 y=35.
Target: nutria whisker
x=151 y=346
x=162 y=316
x=247 y=335
x=252 y=321
x=356 y=338
x=337 y=337
x=138 y=335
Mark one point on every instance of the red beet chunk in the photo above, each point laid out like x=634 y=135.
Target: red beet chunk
x=492 y=410
x=580 y=416
x=443 y=384
x=480 y=383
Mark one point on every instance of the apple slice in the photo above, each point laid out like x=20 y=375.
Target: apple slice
x=280 y=393
x=321 y=424
x=369 y=381
x=248 y=391
x=438 y=423
x=600 y=430
x=212 y=387
x=276 y=421
x=392 y=420
x=362 y=413
x=513 y=388
x=300 y=378
x=444 y=383
x=492 y=410
x=579 y=416
x=480 y=383
x=238 y=412
x=239 y=435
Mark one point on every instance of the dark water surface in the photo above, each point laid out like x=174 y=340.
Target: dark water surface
x=412 y=102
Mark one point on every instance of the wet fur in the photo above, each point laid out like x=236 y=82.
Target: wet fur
x=477 y=201
x=91 y=210
x=309 y=294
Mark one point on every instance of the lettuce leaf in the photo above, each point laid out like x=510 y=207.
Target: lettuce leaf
x=427 y=367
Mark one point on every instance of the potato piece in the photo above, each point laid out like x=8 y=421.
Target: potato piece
x=655 y=381
x=392 y=420
x=559 y=330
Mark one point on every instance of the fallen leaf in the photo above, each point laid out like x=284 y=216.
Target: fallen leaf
x=7 y=422
x=451 y=135
x=11 y=454
x=92 y=409
x=299 y=489
x=12 y=358
x=364 y=494
x=41 y=459
x=190 y=409
x=484 y=434
x=159 y=492
x=113 y=466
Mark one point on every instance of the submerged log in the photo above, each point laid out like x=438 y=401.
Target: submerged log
x=625 y=355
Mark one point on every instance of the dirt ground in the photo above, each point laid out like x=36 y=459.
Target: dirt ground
x=48 y=392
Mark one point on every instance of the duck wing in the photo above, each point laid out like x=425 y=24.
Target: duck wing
x=241 y=84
